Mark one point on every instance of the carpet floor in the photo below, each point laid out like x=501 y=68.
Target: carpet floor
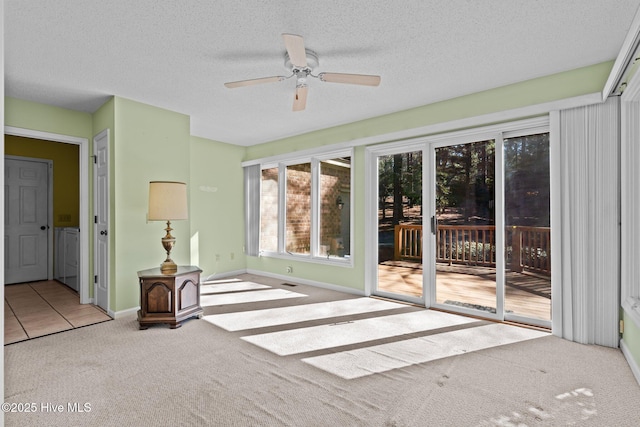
x=304 y=356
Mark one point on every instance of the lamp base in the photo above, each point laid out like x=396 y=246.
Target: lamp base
x=168 y=267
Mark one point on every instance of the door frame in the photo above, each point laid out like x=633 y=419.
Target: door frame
x=49 y=164
x=83 y=159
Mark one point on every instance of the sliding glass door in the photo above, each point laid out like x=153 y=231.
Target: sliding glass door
x=463 y=224
x=464 y=227
x=490 y=228
x=399 y=226
x=527 y=227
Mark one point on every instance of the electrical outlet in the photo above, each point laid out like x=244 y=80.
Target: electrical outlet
x=232 y=256
x=217 y=257
x=289 y=269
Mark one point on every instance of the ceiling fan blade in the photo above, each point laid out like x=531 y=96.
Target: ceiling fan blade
x=251 y=82
x=300 y=100
x=295 y=48
x=354 y=79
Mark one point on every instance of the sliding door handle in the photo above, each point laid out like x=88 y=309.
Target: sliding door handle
x=434 y=225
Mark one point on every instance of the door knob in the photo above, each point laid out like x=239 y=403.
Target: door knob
x=103 y=233
x=43 y=227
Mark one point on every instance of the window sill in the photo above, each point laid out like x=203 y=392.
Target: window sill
x=335 y=262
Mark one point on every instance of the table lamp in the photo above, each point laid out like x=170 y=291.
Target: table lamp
x=168 y=202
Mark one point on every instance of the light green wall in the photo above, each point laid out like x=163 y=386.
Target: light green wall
x=146 y=144
x=45 y=118
x=216 y=188
x=545 y=89
x=104 y=118
x=631 y=337
x=150 y=144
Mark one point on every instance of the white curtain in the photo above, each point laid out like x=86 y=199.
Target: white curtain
x=252 y=175
x=590 y=217
x=630 y=200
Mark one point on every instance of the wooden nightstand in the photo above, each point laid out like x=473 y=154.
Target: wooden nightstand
x=169 y=298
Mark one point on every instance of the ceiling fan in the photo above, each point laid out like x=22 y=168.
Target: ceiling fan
x=302 y=62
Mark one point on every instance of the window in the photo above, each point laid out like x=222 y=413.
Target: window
x=269 y=210
x=335 y=207
x=298 y=213
x=305 y=208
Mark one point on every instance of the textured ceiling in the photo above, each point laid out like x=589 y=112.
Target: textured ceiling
x=178 y=54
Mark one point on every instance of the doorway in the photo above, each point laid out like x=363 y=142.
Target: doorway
x=83 y=160
x=462 y=223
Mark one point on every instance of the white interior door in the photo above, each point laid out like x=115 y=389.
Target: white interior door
x=27 y=215
x=101 y=211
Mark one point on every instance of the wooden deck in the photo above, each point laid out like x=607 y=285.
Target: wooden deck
x=525 y=294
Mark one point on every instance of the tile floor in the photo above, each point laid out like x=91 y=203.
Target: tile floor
x=41 y=308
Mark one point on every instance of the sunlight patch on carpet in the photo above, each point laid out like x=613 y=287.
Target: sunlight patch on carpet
x=385 y=357
x=299 y=313
x=335 y=335
x=246 y=297
x=230 y=287
x=571 y=408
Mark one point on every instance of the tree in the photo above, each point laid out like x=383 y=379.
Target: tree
x=412 y=178
x=527 y=182
x=385 y=182
x=398 y=213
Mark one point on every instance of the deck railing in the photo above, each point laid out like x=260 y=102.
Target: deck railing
x=527 y=248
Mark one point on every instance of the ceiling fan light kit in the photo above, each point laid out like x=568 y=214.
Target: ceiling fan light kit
x=301 y=62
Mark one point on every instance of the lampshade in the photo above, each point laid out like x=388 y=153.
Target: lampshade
x=167 y=201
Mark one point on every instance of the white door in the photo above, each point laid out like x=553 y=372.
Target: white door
x=101 y=219
x=26 y=237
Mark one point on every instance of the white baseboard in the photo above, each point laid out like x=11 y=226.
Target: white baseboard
x=324 y=285
x=123 y=313
x=630 y=360
x=216 y=276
